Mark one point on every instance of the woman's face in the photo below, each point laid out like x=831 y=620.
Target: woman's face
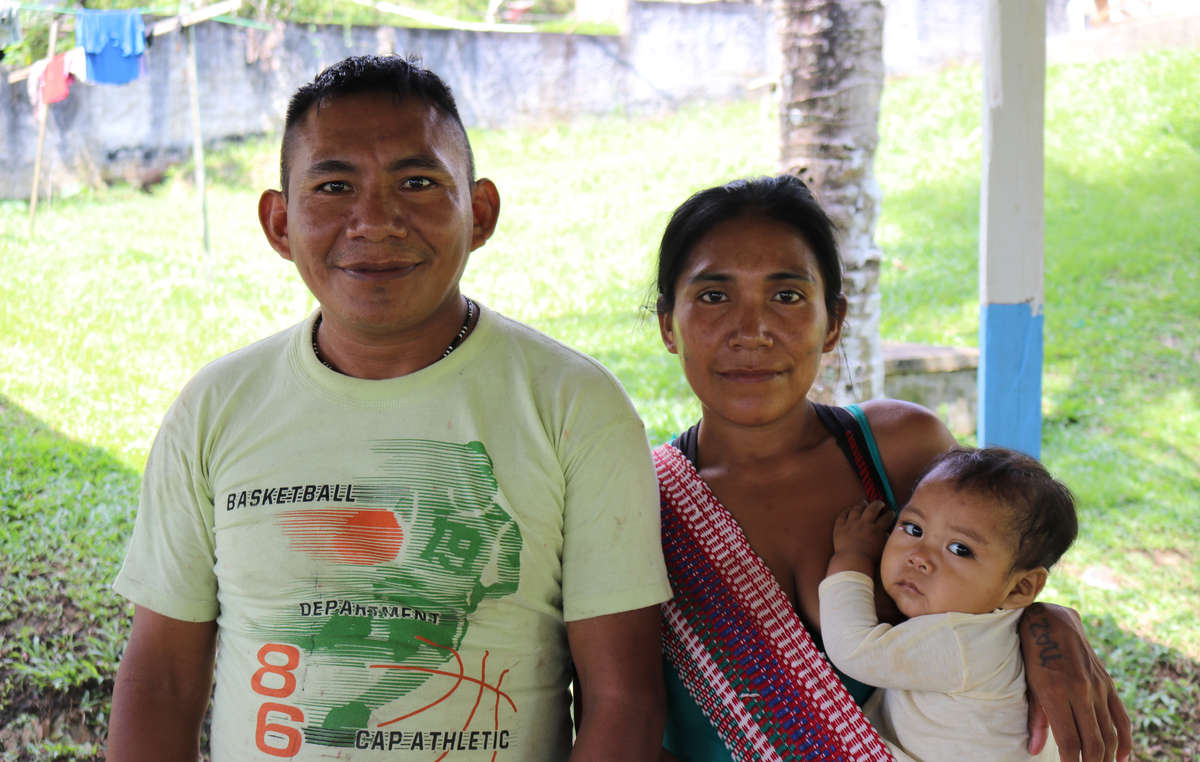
x=750 y=322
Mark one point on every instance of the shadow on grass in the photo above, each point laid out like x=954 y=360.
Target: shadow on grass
x=67 y=509
x=1161 y=688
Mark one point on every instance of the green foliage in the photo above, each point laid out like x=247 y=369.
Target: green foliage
x=108 y=310
x=349 y=13
x=35 y=40
x=546 y=15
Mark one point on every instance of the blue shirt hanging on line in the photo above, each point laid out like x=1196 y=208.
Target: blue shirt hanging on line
x=114 y=42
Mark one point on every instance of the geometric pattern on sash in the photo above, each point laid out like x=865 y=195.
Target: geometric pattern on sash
x=737 y=643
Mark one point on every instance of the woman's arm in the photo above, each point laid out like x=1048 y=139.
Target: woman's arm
x=1070 y=689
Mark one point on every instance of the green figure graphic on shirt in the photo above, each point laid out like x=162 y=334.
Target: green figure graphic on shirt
x=426 y=542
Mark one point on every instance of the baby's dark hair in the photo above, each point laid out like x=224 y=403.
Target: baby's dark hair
x=1041 y=508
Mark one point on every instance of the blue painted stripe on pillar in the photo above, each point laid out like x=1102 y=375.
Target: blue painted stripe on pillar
x=1010 y=378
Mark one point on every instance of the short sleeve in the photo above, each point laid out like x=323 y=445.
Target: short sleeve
x=612 y=544
x=169 y=567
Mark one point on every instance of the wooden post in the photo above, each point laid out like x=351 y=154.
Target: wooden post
x=1011 y=226
x=198 y=141
x=43 y=108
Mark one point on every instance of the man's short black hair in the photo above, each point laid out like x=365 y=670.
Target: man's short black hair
x=1041 y=508
x=387 y=75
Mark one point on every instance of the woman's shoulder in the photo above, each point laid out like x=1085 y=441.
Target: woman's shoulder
x=908 y=437
x=891 y=415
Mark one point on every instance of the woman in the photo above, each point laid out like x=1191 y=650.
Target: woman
x=750 y=298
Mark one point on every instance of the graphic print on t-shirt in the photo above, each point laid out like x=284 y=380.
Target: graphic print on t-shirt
x=406 y=566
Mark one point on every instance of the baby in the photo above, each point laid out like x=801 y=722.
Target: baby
x=967 y=554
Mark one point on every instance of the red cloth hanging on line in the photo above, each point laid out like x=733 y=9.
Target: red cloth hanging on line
x=54 y=80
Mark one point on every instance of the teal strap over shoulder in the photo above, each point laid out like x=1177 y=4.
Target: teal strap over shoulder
x=869 y=438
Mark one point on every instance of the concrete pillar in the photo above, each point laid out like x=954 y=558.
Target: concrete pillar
x=1011 y=228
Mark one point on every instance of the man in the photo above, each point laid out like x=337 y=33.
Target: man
x=401 y=527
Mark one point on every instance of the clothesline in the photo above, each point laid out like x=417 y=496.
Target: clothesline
x=76 y=11
x=110 y=50
x=166 y=26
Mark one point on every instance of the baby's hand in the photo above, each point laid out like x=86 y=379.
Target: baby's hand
x=859 y=534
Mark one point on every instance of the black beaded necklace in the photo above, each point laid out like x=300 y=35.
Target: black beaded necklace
x=458 y=337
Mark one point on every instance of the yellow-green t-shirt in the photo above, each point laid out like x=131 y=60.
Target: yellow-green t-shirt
x=390 y=563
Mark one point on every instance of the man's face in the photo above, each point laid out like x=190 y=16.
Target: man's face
x=379 y=215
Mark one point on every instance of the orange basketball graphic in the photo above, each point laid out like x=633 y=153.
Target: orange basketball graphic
x=345 y=535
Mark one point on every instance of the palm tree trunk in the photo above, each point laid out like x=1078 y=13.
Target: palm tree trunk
x=830 y=86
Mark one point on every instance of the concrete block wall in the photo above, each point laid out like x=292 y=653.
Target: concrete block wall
x=942 y=379
x=920 y=35
x=673 y=54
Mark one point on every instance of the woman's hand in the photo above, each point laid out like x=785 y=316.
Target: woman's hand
x=859 y=534
x=1070 y=689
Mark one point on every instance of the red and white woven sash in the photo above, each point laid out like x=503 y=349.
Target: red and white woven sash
x=737 y=643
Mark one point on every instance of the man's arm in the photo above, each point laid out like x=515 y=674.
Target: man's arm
x=162 y=689
x=621 y=706
x=1070 y=689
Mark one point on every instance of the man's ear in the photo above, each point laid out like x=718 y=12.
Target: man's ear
x=833 y=332
x=485 y=209
x=666 y=327
x=1025 y=589
x=272 y=215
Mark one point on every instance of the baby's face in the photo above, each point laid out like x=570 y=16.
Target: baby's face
x=951 y=550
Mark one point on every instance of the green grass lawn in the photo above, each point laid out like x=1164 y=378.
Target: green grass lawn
x=108 y=310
